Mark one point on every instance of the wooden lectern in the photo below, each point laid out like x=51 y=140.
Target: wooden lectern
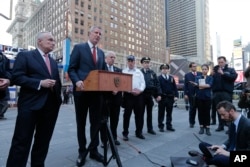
x=100 y=80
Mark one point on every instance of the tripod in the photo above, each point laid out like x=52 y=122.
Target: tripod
x=107 y=137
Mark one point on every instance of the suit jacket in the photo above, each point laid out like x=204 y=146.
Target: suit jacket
x=243 y=135
x=29 y=69
x=189 y=89
x=114 y=99
x=81 y=63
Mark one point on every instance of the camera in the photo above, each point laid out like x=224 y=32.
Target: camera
x=216 y=68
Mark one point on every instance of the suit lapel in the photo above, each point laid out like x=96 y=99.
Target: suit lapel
x=37 y=56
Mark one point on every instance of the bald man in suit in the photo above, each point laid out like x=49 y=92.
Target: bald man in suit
x=38 y=103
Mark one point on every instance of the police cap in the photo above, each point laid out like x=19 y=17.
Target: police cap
x=164 y=66
x=145 y=59
x=131 y=58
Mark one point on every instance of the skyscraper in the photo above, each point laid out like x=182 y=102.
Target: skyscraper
x=187 y=25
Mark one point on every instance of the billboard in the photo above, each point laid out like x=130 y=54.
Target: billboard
x=237 y=43
x=238 y=64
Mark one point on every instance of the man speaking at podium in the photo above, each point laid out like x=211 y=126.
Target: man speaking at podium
x=84 y=58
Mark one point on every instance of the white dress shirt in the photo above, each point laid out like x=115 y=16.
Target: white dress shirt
x=138 y=81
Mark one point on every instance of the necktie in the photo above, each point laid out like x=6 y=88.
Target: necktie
x=233 y=137
x=47 y=62
x=110 y=68
x=166 y=76
x=194 y=73
x=94 y=54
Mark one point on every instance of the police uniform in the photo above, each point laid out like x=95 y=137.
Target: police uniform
x=169 y=92
x=152 y=89
x=132 y=102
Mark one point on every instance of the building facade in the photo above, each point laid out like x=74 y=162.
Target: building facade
x=129 y=26
x=187 y=25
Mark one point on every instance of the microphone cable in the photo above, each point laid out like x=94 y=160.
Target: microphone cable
x=139 y=152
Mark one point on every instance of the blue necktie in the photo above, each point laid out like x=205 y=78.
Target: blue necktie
x=233 y=137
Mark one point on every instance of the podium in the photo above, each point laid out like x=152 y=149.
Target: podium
x=100 y=80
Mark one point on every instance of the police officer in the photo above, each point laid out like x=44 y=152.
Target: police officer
x=152 y=89
x=168 y=97
x=5 y=75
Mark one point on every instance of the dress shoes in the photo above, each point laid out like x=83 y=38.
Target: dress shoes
x=219 y=129
x=152 y=132
x=125 y=137
x=161 y=130
x=171 y=129
x=96 y=156
x=140 y=136
x=117 y=142
x=81 y=159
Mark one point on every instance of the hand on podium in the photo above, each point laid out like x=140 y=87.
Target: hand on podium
x=80 y=85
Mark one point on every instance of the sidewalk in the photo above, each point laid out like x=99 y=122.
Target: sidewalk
x=136 y=152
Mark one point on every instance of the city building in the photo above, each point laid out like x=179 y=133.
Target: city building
x=188 y=35
x=129 y=26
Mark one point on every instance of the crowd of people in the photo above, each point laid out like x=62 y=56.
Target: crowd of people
x=40 y=99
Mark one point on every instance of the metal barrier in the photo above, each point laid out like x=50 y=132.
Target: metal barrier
x=182 y=103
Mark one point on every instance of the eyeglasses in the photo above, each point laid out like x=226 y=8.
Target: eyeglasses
x=194 y=66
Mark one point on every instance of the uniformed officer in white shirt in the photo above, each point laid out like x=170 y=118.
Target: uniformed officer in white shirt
x=133 y=101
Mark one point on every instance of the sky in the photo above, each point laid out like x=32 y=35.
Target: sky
x=229 y=18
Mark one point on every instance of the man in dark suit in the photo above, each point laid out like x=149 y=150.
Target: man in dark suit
x=38 y=103
x=113 y=99
x=189 y=91
x=84 y=58
x=238 y=137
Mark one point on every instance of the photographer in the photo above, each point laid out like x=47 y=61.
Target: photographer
x=5 y=75
x=222 y=87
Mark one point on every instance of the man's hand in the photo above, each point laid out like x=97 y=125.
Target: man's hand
x=220 y=71
x=4 y=83
x=185 y=97
x=136 y=92
x=158 y=98
x=114 y=92
x=80 y=85
x=48 y=83
x=222 y=151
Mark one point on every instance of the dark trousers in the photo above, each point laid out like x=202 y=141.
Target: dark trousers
x=166 y=104
x=148 y=105
x=92 y=102
x=218 y=97
x=204 y=107
x=114 y=119
x=112 y=111
x=133 y=103
x=42 y=123
x=192 y=109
